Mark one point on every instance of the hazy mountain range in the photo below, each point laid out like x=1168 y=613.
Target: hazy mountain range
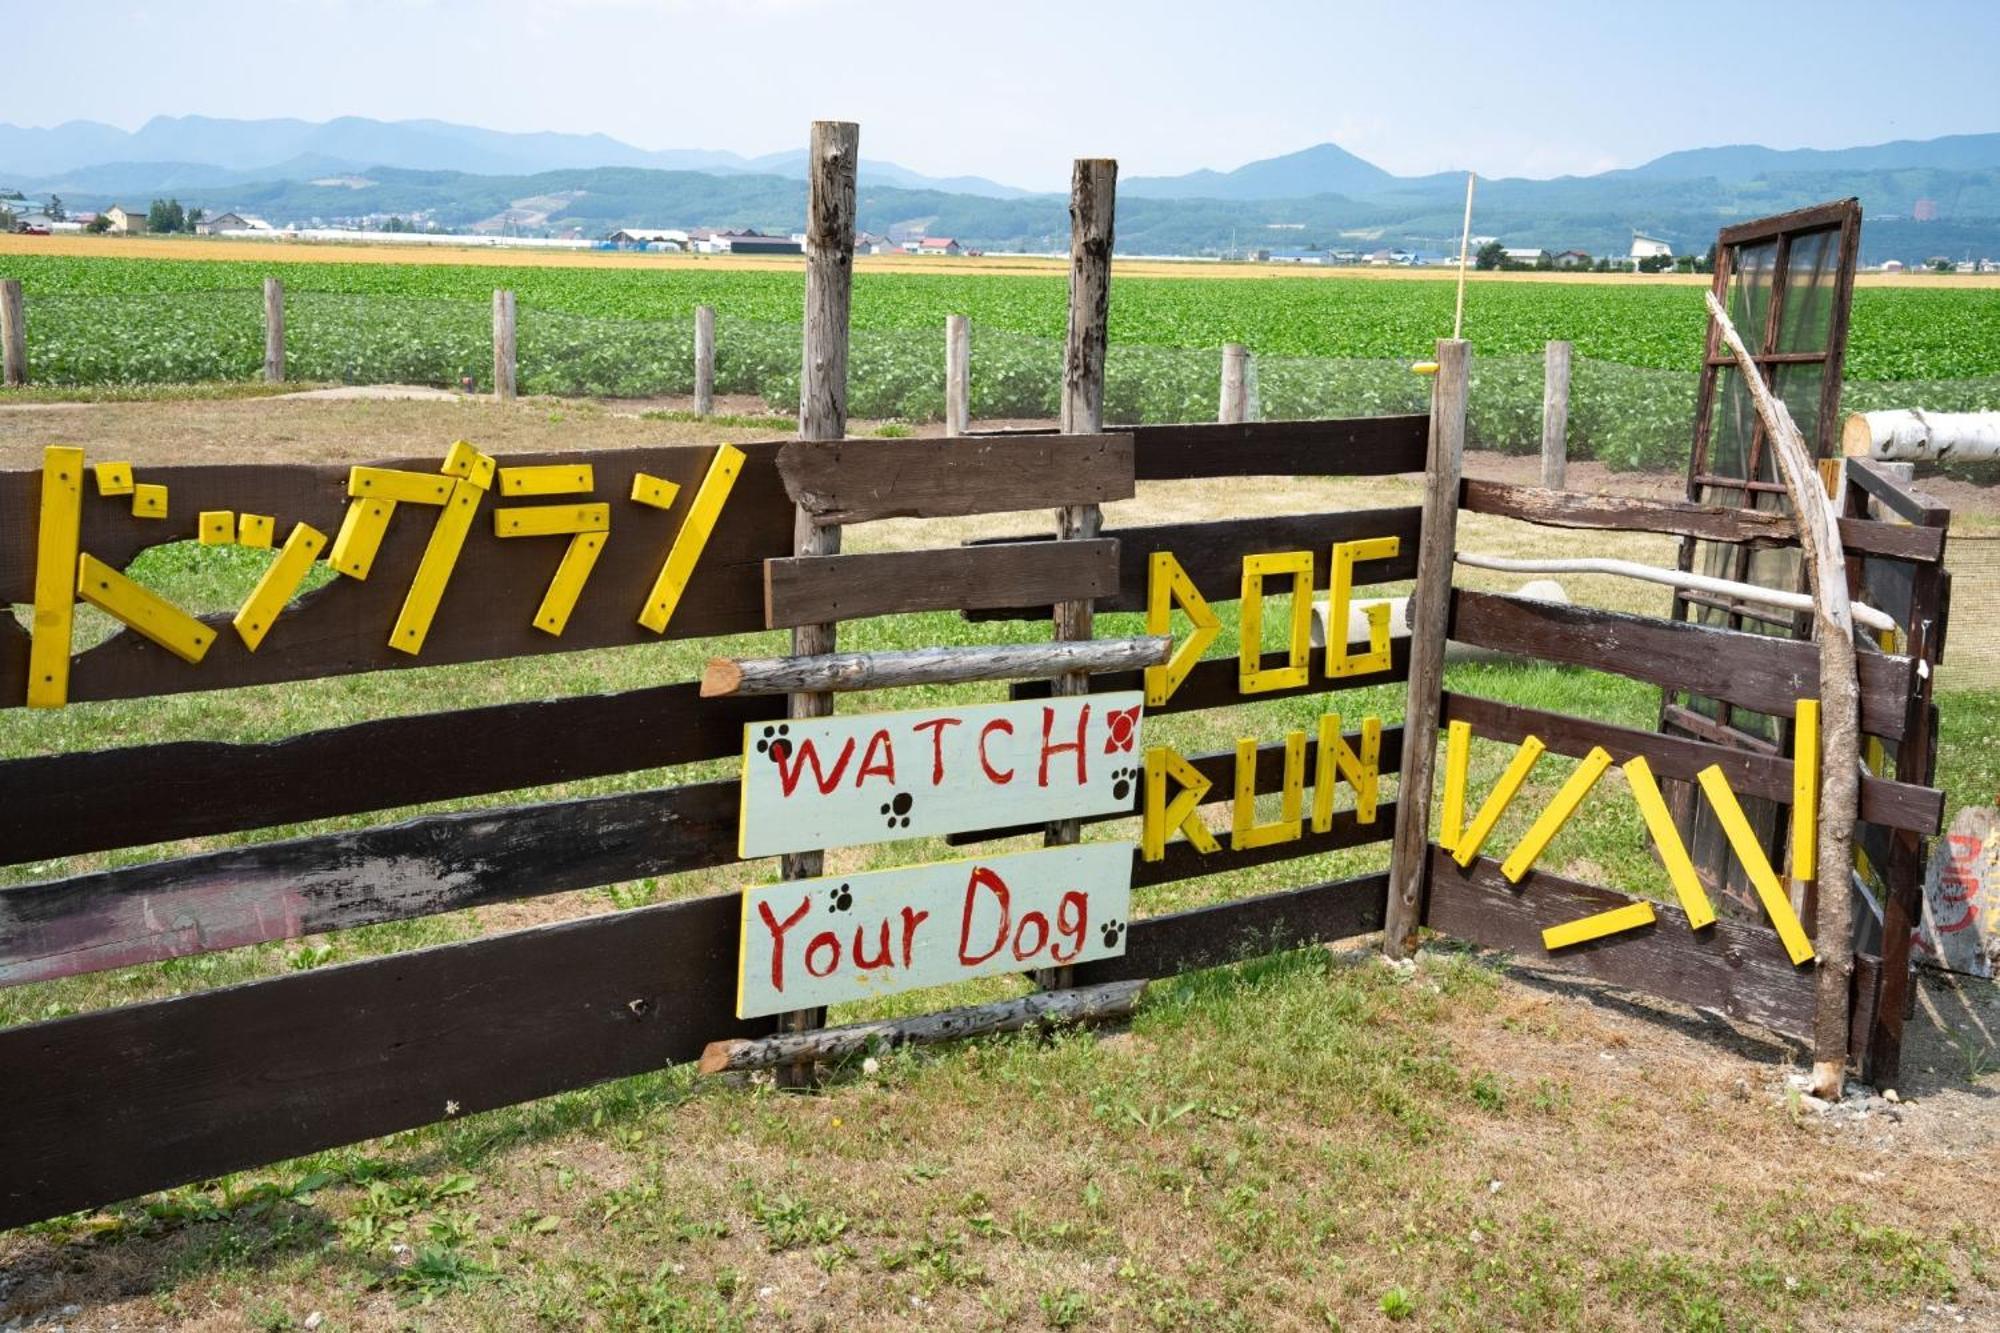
x=461 y=176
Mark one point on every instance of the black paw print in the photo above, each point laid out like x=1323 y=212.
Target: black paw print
x=1112 y=931
x=1121 y=782
x=774 y=743
x=898 y=810
x=840 y=899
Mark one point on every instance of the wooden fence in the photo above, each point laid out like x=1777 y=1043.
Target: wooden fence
x=690 y=543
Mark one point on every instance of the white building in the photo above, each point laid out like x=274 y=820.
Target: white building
x=1649 y=247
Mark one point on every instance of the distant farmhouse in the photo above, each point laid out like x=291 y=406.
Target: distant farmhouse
x=750 y=242
x=1525 y=257
x=650 y=238
x=933 y=245
x=1649 y=247
x=125 y=221
x=228 y=222
x=1572 y=259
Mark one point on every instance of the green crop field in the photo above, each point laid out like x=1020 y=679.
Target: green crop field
x=1323 y=347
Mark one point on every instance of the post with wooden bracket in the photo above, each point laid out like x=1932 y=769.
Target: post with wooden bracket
x=1429 y=613
x=503 y=344
x=957 y=375
x=1555 y=414
x=13 y=334
x=704 y=360
x=830 y=170
x=1235 y=404
x=1093 y=197
x=274 y=331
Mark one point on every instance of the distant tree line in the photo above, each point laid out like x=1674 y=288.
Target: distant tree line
x=167 y=215
x=1493 y=256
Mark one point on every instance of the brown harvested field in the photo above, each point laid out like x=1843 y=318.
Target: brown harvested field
x=329 y=252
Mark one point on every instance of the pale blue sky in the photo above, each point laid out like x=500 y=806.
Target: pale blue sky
x=1016 y=89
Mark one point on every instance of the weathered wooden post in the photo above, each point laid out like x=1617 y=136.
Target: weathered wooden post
x=274 y=331
x=1093 y=199
x=1429 y=611
x=1555 y=414
x=503 y=344
x=830 y=169
x=1235 y=406
x=13 y=334
x=704 y=359
x=957 y=375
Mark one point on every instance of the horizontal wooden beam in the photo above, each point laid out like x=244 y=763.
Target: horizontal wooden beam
x=854 y=481
x=111 y=1104
x=1910 y=505
x=819 y=589
x=1086 y=1005
x=306 y=886
x=1900 y=805
x=1211 y=553
x=1755 y=671
x=837 y=672
x=1735 y=967
x=97 y=800
x=1349 y=447
x=1574 y=509
x=1216 y=683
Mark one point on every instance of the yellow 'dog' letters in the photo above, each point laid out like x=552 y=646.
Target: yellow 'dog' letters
x=1338 y=663
x=1169 y=586
x=1251 y=677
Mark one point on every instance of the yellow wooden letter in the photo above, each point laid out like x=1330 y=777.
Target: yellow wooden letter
x=145 y=611
x=1336 y=760
x=574 y=571
x=692 y=538
x=1245 y=831
x=551 y=520
x=268 y=599
x=420 y=604
x=658 y=492
x=1251 y=677
x=1597 y=926
x=55 y=576
x=381 y=483
x=255 y=529
x=1160 y=817
x=149 y=500
x=1339 y=597
x=113 y=478
x=1168 y=586
x=1755 y=864
x=1497 y=800
x=1556 y=814
x=217 y=527
x=360 y=537
x=465 y=462
x=1457 y=759
x=1805 y=788
x=1673 y=852
x=549 y=479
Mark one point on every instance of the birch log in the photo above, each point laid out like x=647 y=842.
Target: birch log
x=1839 y=706
x=848 y=672
x=1916 y=436
x=1091 y=1004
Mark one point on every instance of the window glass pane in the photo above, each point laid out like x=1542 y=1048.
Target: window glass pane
x=1805 y=324
x=1730 y=427
x=1750 y=290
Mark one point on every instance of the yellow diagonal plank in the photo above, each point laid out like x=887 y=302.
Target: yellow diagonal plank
x=1805 y=788
x=381 y=483
x=1598 y=925
x=551 y=520
x=1673 y=852
x=1755 y=864
x=360 y=537
x=145 y=611
x=1168 y=586
x=420 y=604
x=548 y=479
x=691 y=539
x=55 y=576
x=1457 y=758
x=577 y=562
x=267 y=601
x=1497 y=801
x=1557 y=813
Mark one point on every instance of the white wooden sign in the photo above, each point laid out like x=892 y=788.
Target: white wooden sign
x=812 y=942
x=879 y=777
